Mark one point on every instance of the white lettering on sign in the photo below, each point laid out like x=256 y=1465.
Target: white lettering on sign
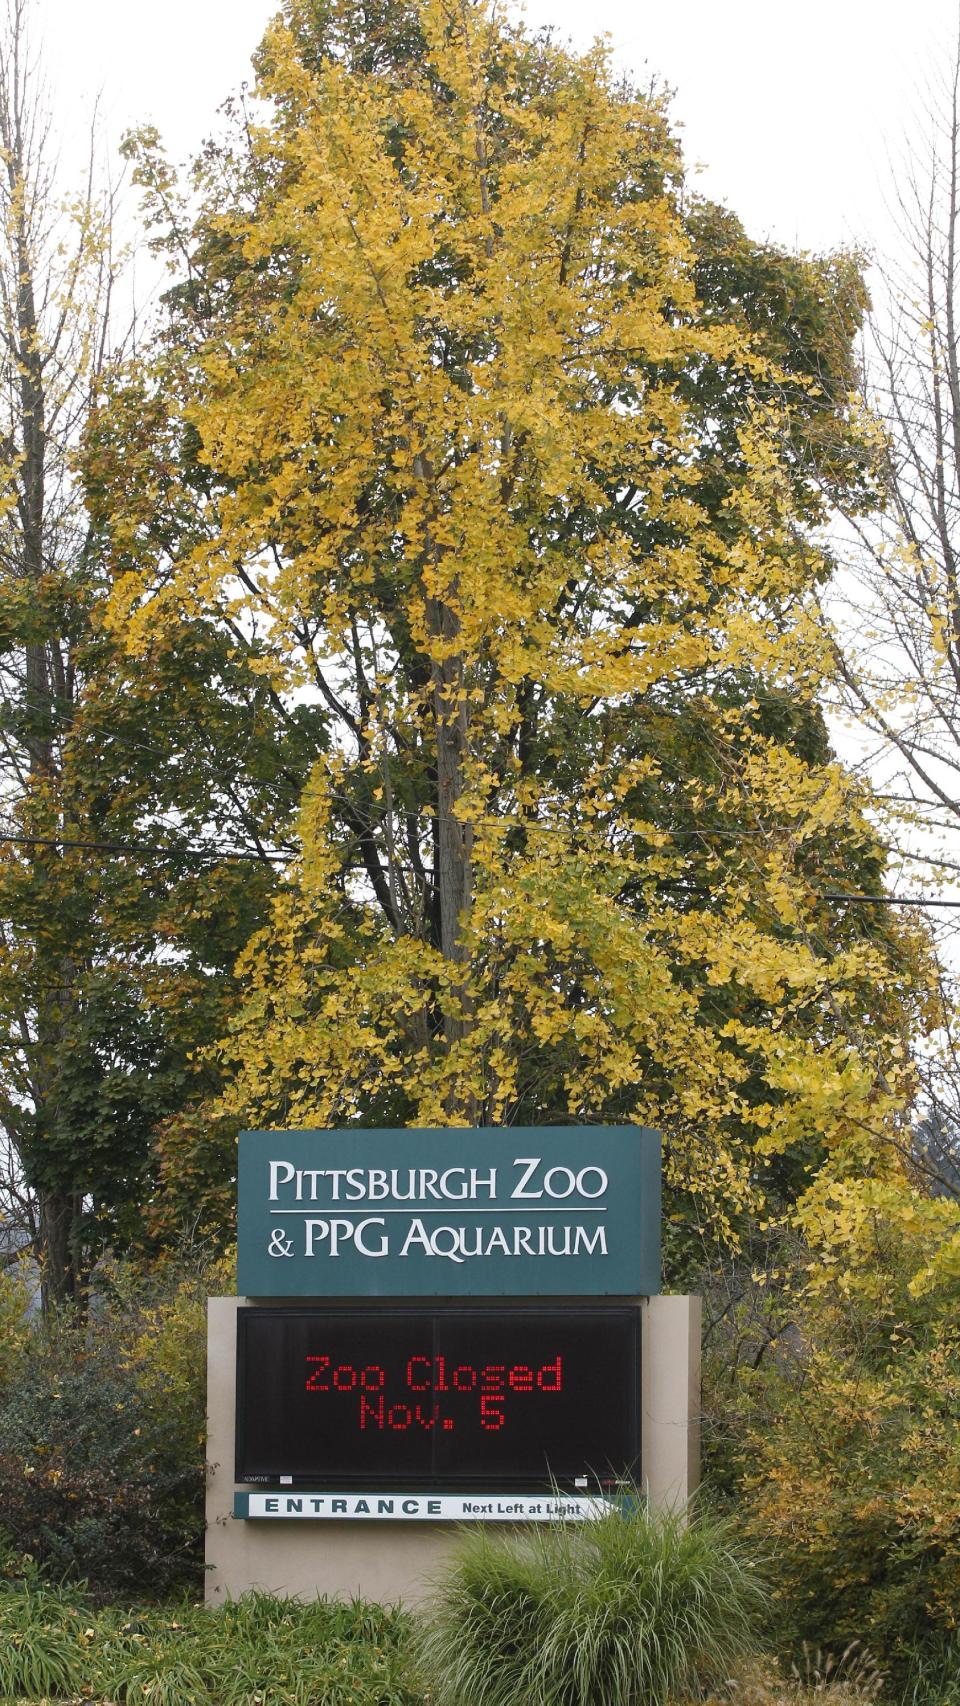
x=421 y=1186
x=336 y=1232
x=557 y=1183
x=381 y=1184
x=459 y=1243
x=351 y=1210
x=427 y=1507
x=333 y=1235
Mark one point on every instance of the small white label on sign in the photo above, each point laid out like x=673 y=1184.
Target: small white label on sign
x=428 y=1507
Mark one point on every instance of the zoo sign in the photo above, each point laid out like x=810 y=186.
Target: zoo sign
x=529 y=1211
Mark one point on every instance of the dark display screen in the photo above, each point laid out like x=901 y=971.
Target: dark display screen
x=445 y=1398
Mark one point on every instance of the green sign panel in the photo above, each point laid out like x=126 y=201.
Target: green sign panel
x=569 y=1211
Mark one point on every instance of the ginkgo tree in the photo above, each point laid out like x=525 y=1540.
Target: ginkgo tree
x=510 y=451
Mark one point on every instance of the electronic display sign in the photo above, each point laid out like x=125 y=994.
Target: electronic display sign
x=438 y=1398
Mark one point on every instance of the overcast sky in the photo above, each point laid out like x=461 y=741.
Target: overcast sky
x=791 y=106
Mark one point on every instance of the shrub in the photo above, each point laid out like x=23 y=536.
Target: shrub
x=165 y=1349
x=850 y=1453
x=164 y=1312
x=85 y=1487
x=102 y=1432
x=14 y=1322
x=621 y=1612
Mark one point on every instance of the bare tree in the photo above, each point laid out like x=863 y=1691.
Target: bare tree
x=896 y=613
x=57 y=272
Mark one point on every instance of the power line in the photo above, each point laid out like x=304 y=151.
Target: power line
x=145 y=848
x=703 y=833
x=215 y=853
x=889 y=899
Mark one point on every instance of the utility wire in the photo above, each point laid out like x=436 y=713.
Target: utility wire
x=889 y=899
x=217 y=853
x=145 y=848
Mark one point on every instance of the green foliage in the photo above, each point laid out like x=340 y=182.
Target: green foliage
x=933 y=1674
x=623 y=1612
x=256 y=1651
x=14 y=1326
x=102 y=1432
x=126 y=956
x=804 y=312
x=849 y=1453
x=41 y=1642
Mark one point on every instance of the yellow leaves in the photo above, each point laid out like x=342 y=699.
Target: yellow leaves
x=880 y=1235
x=558 y=975
x=851 y=1458
x=346 y=362
x=461 y=495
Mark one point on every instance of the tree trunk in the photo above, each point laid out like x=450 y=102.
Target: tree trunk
x=59 y=1274
x=454 y=876
x=59 y=1210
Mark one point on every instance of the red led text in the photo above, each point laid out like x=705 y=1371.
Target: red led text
x=430 y=1384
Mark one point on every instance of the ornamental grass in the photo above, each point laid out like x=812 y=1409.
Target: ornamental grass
x=627 y=1611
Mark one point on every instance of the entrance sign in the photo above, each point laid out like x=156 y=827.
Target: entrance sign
x=529 y=1211
x=437 y=1326
x=439 y=1399
x=412 y=1507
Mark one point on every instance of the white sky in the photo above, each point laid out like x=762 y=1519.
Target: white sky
x=791 y=106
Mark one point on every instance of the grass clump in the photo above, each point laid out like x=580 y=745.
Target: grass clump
x=818 y=1679
x=42 y=1638
x=933 y=1674
x=255 y=1651
x=626 y=1611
